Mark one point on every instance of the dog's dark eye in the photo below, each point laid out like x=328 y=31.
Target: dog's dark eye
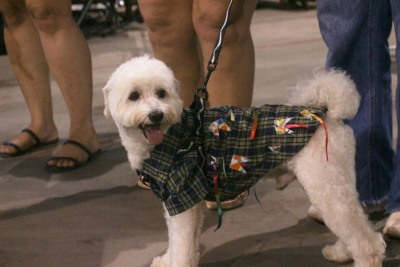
x=134 y=96
x=161 y=93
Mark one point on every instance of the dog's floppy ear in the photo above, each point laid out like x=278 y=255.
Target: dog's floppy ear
x=106 y=90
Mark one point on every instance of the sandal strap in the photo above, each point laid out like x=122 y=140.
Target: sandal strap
x=17 y=148
x=32 y=135
x=84 y=148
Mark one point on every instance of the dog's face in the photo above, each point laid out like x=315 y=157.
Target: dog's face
x=142 y=94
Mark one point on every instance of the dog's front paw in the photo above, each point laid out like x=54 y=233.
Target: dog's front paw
x=337 y=252
x=160 y=262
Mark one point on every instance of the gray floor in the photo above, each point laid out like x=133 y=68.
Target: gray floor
x=96 y=216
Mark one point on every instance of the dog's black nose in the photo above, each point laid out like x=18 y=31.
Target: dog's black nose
x=156 y=116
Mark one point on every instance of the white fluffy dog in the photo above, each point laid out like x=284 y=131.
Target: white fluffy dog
x=142 y=98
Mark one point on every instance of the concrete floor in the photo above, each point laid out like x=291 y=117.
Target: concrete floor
x=96 y=216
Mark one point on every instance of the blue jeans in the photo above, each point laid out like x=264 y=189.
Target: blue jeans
x=356 y=33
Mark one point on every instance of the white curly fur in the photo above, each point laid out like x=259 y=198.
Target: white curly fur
x=326 y=90
x=330 y=185
x=137 y=75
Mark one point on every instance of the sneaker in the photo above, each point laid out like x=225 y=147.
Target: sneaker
x=314 y=214
x=230 y=203
x=392 y=227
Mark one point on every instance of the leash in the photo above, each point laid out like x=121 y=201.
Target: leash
x=200 y=103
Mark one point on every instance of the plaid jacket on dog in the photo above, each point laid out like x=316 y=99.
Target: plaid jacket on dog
x=240 y=146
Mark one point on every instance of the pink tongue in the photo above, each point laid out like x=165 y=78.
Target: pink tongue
x=154 y=135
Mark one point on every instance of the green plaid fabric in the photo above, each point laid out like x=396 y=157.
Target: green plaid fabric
x=175 y=171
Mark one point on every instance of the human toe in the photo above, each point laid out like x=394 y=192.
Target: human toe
x=392 y=227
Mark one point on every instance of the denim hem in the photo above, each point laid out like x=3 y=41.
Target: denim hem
x=390 y=211
x=381 y=202
x=394 y=210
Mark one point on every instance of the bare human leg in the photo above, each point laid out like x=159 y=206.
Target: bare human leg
x=233 y=80
x=68 y=57
x=174 y=41
x=30 y=68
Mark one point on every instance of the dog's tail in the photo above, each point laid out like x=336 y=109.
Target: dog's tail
x=332 y=89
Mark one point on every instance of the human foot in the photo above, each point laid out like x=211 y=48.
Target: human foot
x=72 y=155
x=392 y=227
x=27 y=141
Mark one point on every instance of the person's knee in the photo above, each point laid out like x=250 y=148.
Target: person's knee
x=166 y=28
x=13 y=12
x=48 y=18
x=162 y=29
x=43 y=16
x=208 y=23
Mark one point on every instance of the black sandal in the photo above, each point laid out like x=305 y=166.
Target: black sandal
x=77 y=163
x=19 y=151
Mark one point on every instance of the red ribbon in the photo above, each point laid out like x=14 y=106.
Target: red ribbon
x=326 y=132
x=254 y=128
x=295 y=125
x=217 y=196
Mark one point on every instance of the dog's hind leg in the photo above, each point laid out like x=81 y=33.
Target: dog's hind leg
x=184 y=238
x=343 y=215
x=330 y=186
